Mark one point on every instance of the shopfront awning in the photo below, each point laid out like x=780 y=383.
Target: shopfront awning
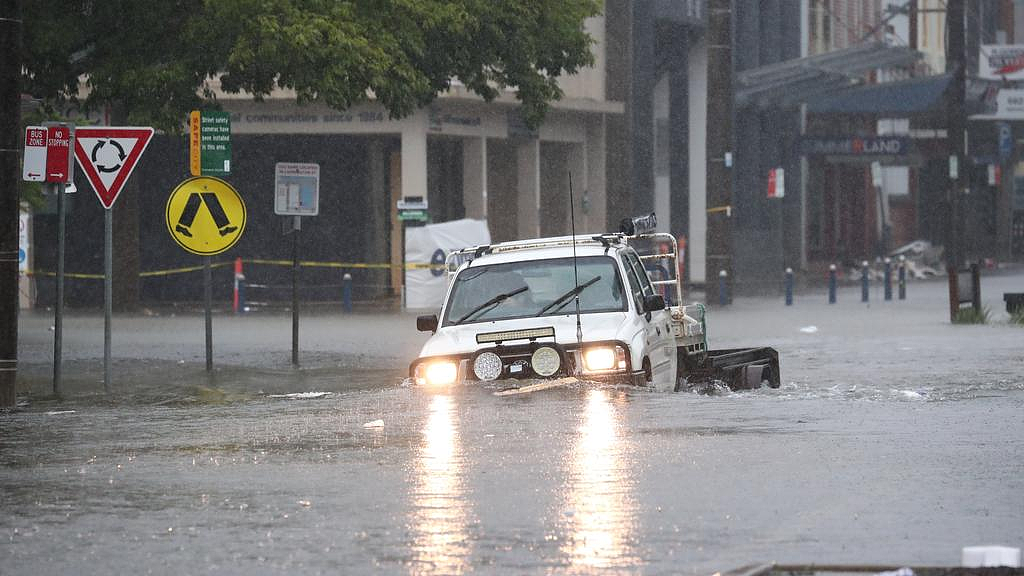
x=795 y=81
x=894 y=99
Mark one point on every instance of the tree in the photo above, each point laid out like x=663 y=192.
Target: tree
x=149 y=61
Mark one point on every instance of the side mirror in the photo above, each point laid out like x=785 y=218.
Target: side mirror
x=427 y=323
x=654 y=302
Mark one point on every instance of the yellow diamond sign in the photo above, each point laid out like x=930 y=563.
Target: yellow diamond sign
x=205 y=215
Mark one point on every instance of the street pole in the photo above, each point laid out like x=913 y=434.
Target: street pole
x=58 y=315
x=108 y=291
x=295 y=290
x=719 y=144
x=208 y=301
x=956 y=131
x=10 y=126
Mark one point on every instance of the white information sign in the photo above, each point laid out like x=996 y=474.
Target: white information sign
x=34 y=168
x=1010 y=103
x=296 y=189
x=24 y=247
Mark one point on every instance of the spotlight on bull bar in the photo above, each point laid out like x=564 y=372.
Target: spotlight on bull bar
x=638 y=225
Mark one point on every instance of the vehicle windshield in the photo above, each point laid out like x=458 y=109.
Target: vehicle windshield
x=475 y=293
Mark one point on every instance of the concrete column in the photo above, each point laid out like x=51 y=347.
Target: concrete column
x=640 y=107
x=474 y=177
x=414 y=159
x=528 y=188
x=593 y=199
x=375 y=235
x=696 y=248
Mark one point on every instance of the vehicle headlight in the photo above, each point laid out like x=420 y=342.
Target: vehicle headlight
x=487 y=366
x=441 y=372
x=602 y=358
x=545 y=361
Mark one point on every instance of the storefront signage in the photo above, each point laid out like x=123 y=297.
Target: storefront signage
x=1010 y=104
x=868 y=146
x=999 y=62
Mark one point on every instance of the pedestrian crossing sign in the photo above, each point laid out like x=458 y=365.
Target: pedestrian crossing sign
x=205 y=215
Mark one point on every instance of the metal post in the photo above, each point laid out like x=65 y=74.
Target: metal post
x=108 y=293
x=346 y=292
x=864 y=281
x=208 y=300
x=789 y=286
x=903 y=277
x=976 y=287
x=58 y=315
x=954 y=292
x=239 y=299
x=295 y=292
x=831 y=283
x=888 y=279
x=723 y=287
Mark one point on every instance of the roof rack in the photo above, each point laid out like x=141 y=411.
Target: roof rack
x=457 y=257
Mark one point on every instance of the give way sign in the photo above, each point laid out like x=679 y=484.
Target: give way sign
x=107 y=155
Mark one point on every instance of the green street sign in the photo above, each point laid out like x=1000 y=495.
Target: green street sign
x=209 y=143
x=413 y=215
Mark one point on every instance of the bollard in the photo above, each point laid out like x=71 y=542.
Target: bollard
x=789 y=286
x=238 y=302
x=346 y=292
x=888 y=279
x=864 y=285
x=903 y=278
x=723 y=296
x=831 y=283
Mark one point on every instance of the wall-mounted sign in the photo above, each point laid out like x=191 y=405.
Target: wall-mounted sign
x=1004 y=61
x=1010 y=104
x=856 y=146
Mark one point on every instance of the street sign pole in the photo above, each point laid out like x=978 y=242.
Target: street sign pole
x=58 y=320
x=208 y=302
x=108 y=298
x=295 y=289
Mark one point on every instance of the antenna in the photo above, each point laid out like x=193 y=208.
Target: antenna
x=575 y=271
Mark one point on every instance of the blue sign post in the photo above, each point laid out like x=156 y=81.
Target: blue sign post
x=1005 y=140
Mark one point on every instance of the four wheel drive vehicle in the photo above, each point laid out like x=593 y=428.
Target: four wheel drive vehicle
x=584 y=307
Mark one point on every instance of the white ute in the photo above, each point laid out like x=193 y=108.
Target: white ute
x=511 y=312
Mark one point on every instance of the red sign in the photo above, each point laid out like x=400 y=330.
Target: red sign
x=107 y=155
x=776 y=183
x=58 y=153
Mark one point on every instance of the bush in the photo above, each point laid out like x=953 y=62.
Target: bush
x=1017 y=318
x=971 y=316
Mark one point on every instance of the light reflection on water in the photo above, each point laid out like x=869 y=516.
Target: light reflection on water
x=601 y=510
x=440 y=512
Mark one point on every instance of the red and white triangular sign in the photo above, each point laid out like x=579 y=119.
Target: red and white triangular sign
x=108 y=154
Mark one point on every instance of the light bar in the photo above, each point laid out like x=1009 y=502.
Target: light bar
x=527 y=334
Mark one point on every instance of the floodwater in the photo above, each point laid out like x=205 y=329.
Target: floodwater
x=895 y=438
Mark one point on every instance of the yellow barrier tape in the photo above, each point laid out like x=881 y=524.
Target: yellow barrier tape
x=181 y=270
x=256 y=261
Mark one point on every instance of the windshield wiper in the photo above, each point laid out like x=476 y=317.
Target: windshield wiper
x=492 y=302
x=564 y=298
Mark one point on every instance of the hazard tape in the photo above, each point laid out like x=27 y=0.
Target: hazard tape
x=255 y=261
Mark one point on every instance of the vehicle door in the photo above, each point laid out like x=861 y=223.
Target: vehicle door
x=660 y=343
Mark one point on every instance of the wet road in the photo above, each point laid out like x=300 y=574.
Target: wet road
x=896 y=438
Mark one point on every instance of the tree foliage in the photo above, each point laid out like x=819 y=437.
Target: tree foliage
x=155 y=58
